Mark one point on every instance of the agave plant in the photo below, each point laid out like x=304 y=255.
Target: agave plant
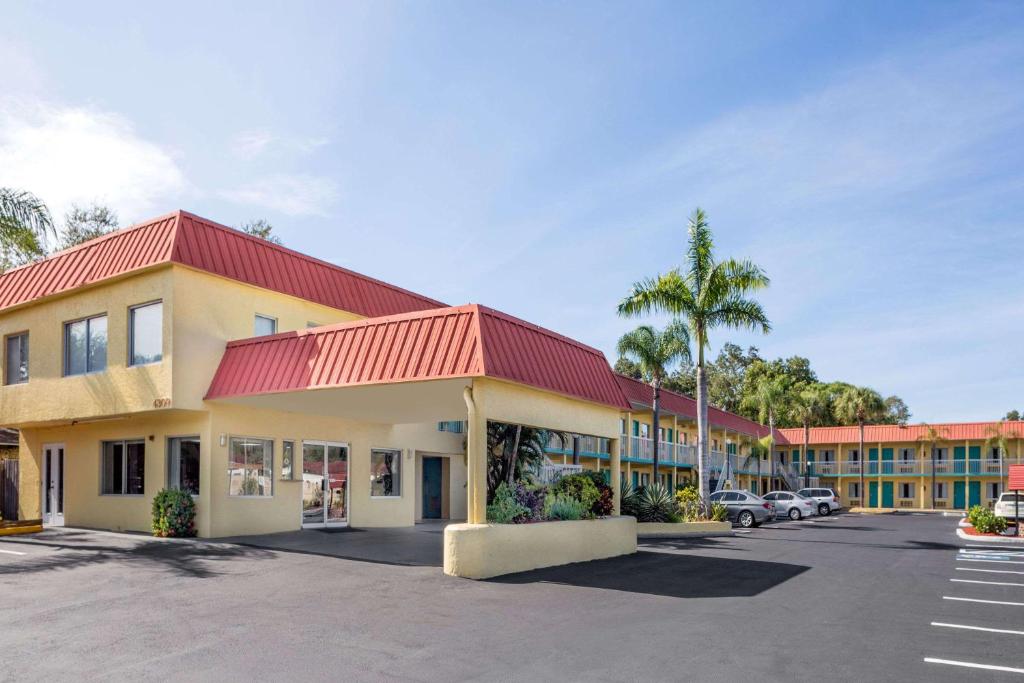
x=655 y=503
x=628 y=499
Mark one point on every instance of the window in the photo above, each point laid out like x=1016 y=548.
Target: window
x=287 y=459
x=854 y=488
x=940 y=453
x=940 y=489
x=265 y=325
x=251 y=467
x=124 y=468
x=828 y=456
x=993 y=489
x=146 y=334
x=85 y=345
x=645 y=430
x=183 y=464
x=854 y=456
x=622 y=425
x=385 y=473
x=906 y=490
x=16 y=359
x=906 y=454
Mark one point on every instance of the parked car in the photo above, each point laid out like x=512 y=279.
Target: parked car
x=827 y=499
x=1006 y=506
x=792 y=505
x=744 y=507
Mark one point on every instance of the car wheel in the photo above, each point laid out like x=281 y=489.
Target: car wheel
x=746 y=519
x=794 y=514
x=824 y=510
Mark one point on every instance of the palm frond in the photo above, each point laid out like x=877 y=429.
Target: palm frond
x=666 y=293
x=20 y=208
x=738 y=312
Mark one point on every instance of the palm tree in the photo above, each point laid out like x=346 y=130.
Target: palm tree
x=997 y=438
x=25 y=223
x=860 y=405
x=656 y=352
x=512 y=449
x=768 y=400
x=808 y=406
x=708 y=294
x=931 y=439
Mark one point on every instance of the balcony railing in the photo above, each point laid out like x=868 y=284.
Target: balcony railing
x=894 y=467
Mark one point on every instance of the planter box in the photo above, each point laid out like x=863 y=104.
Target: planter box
x=683 y=529
x=480 y=551
x=25 y=526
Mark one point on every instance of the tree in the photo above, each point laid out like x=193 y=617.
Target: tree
x=768 y=399
x=726 y=375
x=708 y=294
x=931 y=438
x=896 y=411
x=1013 y=415
x=260 y=228
x=860 y=405
x=511 y=449
x=82 y=224
x=625 y=366
x=655 y=352
x=998 y=438
x=25 y=225
x=808 y=406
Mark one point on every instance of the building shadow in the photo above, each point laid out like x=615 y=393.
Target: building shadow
x=666 y=574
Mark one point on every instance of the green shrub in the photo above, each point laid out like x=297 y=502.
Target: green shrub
x=986 y=521
x=505 y=509
x=628 y=500
x=578 y=486
x=174 y=514
x=719 y=513
x=604 y=505
x=655 y=503
x=561 y=507
x=688 y=503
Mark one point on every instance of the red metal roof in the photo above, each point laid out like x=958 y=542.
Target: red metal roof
x=1015 y=480
x=640 y=394
x=464 y=341
x=193 y=241
x=952 y=431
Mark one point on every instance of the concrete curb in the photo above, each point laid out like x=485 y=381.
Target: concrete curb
x=1009 y=540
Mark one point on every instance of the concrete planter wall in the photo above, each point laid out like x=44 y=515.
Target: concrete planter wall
x=480 y=551
x=682 y=529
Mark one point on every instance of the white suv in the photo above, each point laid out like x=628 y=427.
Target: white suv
x=1006 y=506
x=827 y=500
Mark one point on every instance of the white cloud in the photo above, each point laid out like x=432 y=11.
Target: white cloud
x=291 y=194
x=250 y=144
x=69 y=155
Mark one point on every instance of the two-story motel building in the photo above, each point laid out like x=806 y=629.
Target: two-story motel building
x=285 y=392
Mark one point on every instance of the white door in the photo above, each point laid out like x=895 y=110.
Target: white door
x=53 y=485
x=324 y=484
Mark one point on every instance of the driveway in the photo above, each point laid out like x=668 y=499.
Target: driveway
x=850 y=597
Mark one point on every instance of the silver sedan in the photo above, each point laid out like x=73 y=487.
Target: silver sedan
x=792 y=505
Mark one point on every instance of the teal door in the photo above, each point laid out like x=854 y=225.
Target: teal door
x=974 y=459
x=873 y=494
x=974 y=493
x=636 y=480
x=887 y=494
x=887 y=463
x=958 y=495
x=959 y=461
x=432 y=493
x=810 y=461
x=872 y=461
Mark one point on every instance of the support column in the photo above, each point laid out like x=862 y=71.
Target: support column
x=476 y=456
x=616 y=479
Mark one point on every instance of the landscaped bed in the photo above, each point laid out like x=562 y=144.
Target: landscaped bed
x=983 y=523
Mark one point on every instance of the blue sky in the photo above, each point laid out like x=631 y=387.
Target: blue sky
x=540 y=157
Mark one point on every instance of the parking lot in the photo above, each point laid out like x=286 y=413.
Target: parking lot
x=847 y=597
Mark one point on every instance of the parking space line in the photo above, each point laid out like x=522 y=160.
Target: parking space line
x=992 y=552
x=991 y=583
x=979 y=628
x=12 y=552
x=989 y=571
x=973 y=665
x=992 y=547
x=976 y=559
x=989 y=602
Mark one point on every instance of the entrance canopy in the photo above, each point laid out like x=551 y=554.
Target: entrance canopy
x=410 y=367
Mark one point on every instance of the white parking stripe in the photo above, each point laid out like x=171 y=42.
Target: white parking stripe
x=980 y=628
x=988 y=602
x=990 y=551
x=972 y=665
x=992 y=547
x=12 y=552
x=975 y=559
x=989 y=571
x=991 y=583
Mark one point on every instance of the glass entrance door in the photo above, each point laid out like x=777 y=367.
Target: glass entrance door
x=324 y=483
x=53 y=485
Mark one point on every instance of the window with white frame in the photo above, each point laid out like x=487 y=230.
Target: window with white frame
x=906 y=490
x=16 y=359
x=85 y=345
x=645 y=430
x=828 y=455
x=940 y=454
x=941 y=489
x=853 y=455
x=123 y=468
x=251 y=467
x=993 y=489
x=183 y=464
x=906 y=454
x=264 y=325
x=854 y=489
x=385 y=473
x=994 y=453
x=622 y=425
x=287 y=460
x=146 y=333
